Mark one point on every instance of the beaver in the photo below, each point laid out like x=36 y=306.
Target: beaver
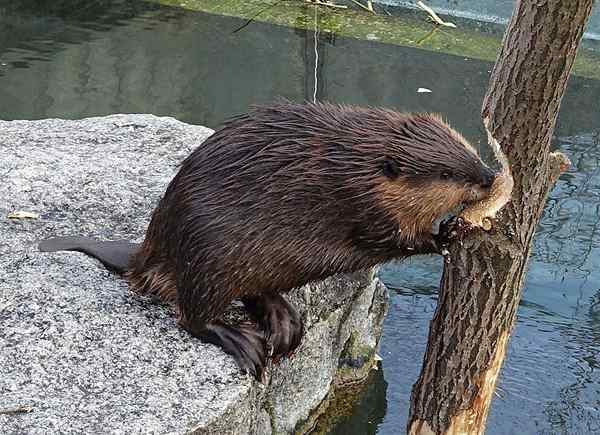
x=284 y=195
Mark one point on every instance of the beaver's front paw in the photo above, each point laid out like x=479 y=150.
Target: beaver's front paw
x=454 y=228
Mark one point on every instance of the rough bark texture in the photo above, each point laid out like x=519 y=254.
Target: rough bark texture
x=482 y=279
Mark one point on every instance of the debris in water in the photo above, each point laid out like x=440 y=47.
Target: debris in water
x=424 y=91
x=368 y=7
x=435 y=17
x=326 y=3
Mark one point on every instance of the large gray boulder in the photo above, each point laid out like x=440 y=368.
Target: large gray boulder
x=79 y=353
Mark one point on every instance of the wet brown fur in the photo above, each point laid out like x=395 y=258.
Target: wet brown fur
x=292 y=193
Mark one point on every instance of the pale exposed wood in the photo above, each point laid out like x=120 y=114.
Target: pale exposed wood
x=472 y=420
x=369 y=6
x=483 y=212
x=558 y=164
x=434 y=16
x=326 y=3
x=420 y=427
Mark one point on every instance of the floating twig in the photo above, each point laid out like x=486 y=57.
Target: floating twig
x=368 y=7
x=256 y=15
x=435 y=17
x=428 y=35
x=326 y=3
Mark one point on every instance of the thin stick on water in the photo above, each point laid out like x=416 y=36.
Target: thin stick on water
x=369 y=6
x=328 y=4
x=256 y=15
x=435 y=17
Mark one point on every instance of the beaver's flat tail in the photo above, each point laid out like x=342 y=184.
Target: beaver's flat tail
x=113 y=254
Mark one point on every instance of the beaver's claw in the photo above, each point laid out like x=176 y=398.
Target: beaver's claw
x=453 y=228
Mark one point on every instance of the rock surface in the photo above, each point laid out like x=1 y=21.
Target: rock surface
x=84 y=355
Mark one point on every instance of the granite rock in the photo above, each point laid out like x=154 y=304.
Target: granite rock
x=82 y=354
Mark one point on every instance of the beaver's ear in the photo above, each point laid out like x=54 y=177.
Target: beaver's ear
x=390 y=169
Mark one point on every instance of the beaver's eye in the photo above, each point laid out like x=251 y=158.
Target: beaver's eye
x=390 y=169
x=446 y=175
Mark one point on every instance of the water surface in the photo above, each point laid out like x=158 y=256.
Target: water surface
x=74 y=59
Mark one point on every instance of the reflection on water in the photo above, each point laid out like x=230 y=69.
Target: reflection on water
x=357 y=410
x=82 y=58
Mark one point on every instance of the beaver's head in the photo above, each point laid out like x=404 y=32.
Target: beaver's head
x=428 y=171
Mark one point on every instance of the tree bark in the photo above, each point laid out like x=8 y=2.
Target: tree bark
x=483 y=275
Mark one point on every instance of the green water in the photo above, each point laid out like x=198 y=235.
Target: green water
x=74 y=59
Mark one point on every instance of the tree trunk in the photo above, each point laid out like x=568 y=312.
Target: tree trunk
x=483 y=276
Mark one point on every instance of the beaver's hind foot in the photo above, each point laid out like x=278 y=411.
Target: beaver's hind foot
x=244 y=342
x=281 y=322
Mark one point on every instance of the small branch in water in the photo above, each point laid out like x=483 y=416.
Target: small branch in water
x=435 y=17
x=428 y=35
x=369 y=6
x=256 y=15
x=326 y=3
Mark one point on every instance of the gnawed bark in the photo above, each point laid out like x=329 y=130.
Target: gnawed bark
x=483 y=277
